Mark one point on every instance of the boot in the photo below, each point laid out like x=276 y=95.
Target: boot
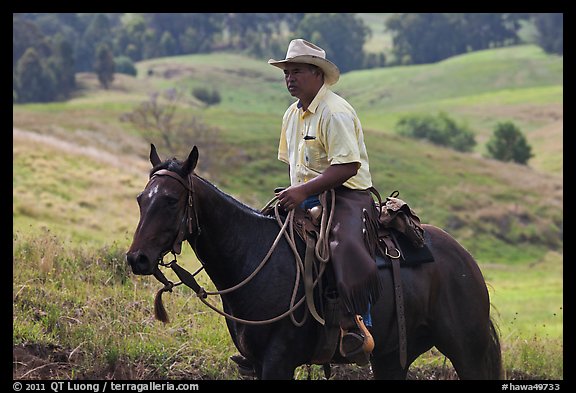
x=356 y=342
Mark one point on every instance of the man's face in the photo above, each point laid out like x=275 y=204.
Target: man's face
x=302 y=80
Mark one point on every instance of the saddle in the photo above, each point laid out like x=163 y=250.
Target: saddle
x=400 y=236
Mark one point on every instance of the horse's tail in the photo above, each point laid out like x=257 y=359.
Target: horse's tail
x=493 y=359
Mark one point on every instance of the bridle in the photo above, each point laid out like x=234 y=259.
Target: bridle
x=190 y=210
x=187 y=227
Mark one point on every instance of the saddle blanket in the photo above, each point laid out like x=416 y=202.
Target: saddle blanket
x=411 y=256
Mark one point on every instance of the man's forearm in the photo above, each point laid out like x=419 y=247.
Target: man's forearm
x=334 y=176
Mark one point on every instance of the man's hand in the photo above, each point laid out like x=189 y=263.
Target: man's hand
x=334 y=176
x=291 y=197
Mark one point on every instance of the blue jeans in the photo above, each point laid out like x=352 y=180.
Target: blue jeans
x=310 y=202
x=367 y=318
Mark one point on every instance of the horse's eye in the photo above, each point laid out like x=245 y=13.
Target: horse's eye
x=171 y=201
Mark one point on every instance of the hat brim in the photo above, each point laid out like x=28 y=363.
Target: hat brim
x=331 y=71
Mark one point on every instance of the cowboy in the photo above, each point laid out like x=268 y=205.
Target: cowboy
x=323 y=143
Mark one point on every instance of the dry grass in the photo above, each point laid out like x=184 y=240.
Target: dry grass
x=80 y=190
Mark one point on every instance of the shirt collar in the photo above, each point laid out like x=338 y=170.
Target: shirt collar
x=317 y=99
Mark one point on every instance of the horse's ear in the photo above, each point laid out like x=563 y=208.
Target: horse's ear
x=154 y=158
x=192 y=160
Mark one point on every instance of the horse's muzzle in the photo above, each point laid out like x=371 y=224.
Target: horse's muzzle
x=139 y=263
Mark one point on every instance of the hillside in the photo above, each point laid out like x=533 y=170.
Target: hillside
x=77 y=170
x=481 y=201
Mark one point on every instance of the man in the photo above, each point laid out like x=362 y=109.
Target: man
x=323 y=143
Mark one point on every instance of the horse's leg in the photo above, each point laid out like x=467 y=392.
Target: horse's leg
x=287 y=349
x=386 y=355
x=277 y=365
x=385 y=358
x=476 y=357
x=388 y=367
x=277 y=370
x=462 y=325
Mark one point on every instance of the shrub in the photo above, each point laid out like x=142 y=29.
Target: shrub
x=206 y=96
x=509 y=144
x=440 y=130
x=124 y=65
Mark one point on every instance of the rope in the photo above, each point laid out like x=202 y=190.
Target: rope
x=288 y=223
x=322 y=244
x=262 y=263
x=322 y=252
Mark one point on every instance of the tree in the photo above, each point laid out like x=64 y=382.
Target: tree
x=341 y=35
x=193 y=32
x=50 y=66
x=130 y=36
x=97 y=33
x=487 y=30
x=104 y=65
x=156 y=119
x=431 y=37
x=25 y=34
x=509 y=144
x=34 y=81
x=64 y=65
x=167 y=45
x=424 y=38
x=550 y=32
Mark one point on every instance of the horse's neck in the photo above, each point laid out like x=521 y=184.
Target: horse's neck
x=229 y=231
x=234 y=241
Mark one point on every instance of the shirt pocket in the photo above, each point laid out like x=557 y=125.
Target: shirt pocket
x=315 y=157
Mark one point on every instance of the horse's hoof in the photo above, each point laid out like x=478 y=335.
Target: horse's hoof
x=245 y=367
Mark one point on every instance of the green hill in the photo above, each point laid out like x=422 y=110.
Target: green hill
x=519 y=84
x=77 y=169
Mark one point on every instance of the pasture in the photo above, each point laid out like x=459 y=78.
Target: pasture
x=78 y=312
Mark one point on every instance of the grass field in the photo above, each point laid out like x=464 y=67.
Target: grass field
x=80 y=313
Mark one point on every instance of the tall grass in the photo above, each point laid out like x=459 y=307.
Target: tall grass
x=86 y=301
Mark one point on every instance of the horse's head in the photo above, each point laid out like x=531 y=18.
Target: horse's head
x=165 y=212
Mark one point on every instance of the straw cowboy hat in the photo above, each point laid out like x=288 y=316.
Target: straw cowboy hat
x=302 y=51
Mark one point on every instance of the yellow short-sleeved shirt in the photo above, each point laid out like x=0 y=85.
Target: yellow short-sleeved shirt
x=328 y=132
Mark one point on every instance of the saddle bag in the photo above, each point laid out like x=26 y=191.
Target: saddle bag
x=396 y=214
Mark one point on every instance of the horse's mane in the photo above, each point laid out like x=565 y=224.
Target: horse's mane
x=175 y=165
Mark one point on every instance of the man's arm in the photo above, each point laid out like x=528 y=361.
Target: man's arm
x=332 y=177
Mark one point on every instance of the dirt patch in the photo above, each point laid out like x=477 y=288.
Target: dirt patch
x=40 y=362
x=49 y=362
x=43 y=362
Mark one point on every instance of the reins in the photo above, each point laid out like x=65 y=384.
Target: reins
x=187 y=278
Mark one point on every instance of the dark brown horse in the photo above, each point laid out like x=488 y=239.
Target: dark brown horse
x=446 y=302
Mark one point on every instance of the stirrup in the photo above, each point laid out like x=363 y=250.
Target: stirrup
x=352 y=348
x=368 y=339
x=357 y=347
